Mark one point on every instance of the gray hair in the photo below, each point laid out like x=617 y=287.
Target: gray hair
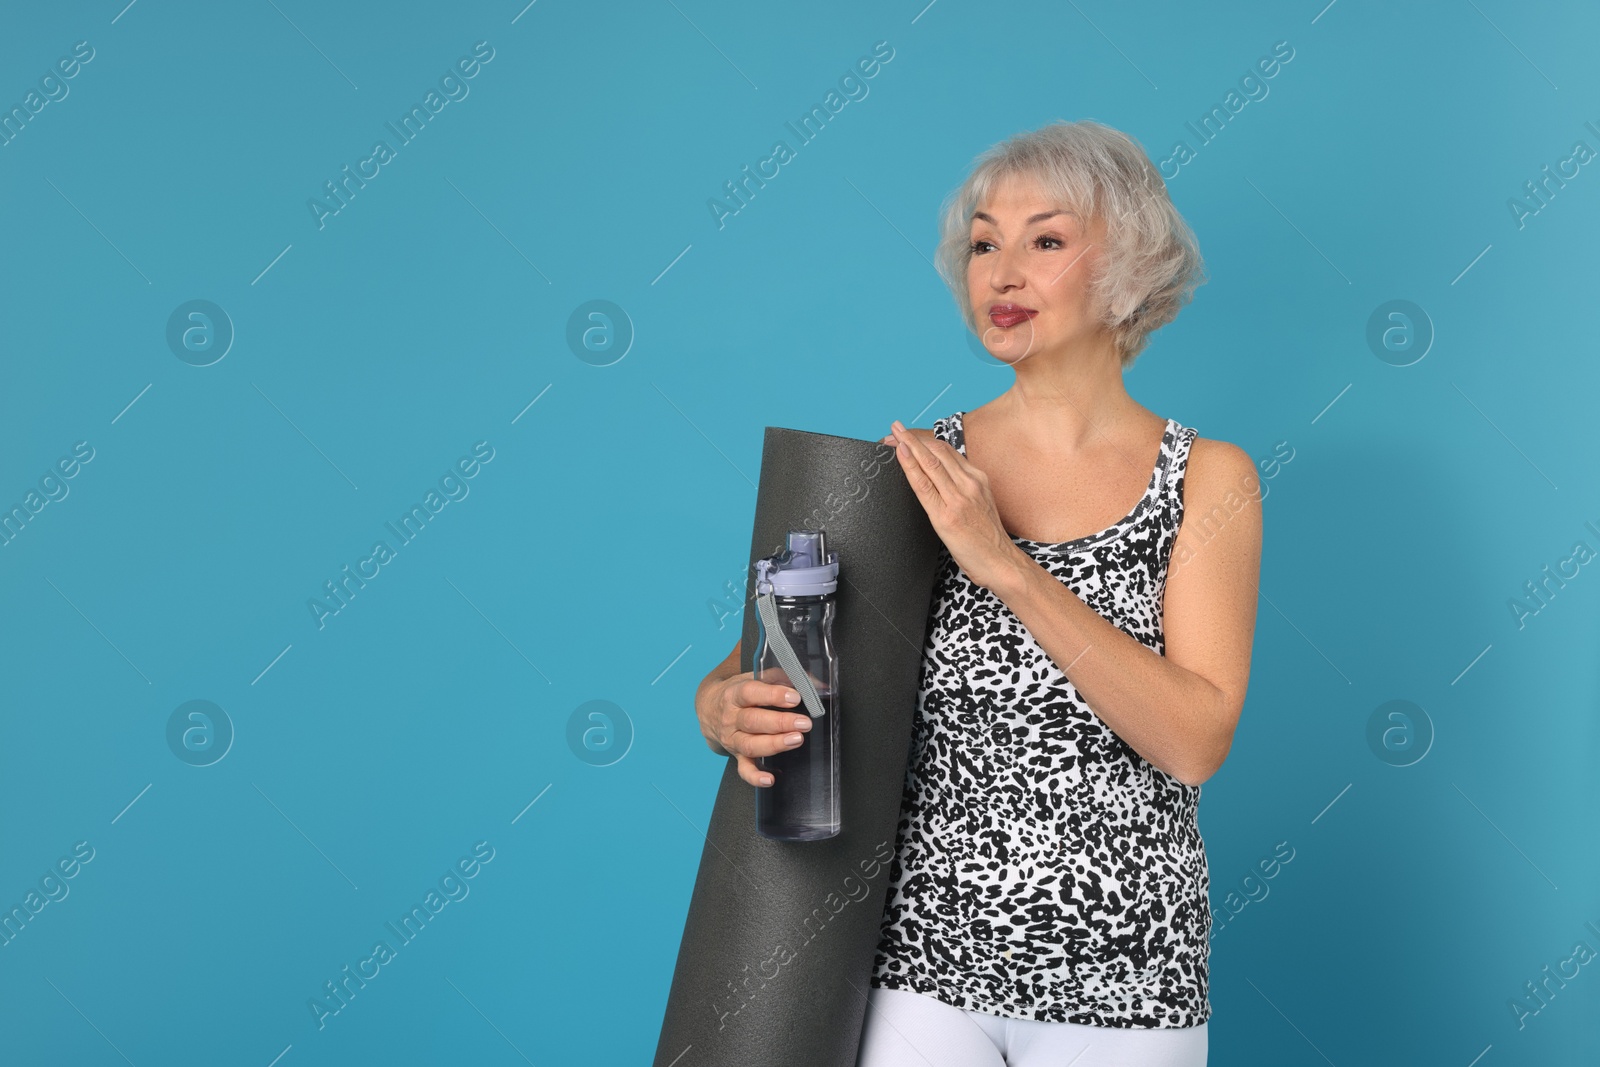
x=1150 y=263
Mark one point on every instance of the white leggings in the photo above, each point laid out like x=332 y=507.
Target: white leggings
x=905 y=1029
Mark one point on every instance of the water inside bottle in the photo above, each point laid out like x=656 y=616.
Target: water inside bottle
x=801 y=803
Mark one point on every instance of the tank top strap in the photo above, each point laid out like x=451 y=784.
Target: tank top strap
x=1177 y=466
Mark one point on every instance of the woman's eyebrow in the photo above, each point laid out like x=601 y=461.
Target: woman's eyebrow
x=986 y=217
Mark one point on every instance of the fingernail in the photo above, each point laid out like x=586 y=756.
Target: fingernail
x=791 y=697
x=802 y=724
x=791 y=740
x=766 y=779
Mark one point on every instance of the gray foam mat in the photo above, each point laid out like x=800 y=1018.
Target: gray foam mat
x=777 y=949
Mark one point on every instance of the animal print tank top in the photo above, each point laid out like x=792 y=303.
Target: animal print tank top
x=1044 y=869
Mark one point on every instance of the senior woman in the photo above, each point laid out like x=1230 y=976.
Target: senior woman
x=1088 y=651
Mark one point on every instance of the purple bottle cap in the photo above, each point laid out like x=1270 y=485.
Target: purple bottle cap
x=804 y=568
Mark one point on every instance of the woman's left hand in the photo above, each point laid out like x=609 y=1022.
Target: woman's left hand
x=956 y=496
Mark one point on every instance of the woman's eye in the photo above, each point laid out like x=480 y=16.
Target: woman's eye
x=977 y=247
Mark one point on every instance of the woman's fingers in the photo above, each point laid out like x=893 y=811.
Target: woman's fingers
x=763 y=721
x=751 y=730
x=920 y=483
x=747 y=747
x=743 y=744
x=750 y=724
x=751 y=773
x=931 y=464
x=751 y=694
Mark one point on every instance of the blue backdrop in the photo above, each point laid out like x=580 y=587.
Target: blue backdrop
x=528 y=346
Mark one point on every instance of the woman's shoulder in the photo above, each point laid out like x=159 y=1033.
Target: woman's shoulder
x=1219 y=473
x=1215 y=457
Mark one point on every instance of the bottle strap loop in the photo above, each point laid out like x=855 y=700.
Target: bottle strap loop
x=767 y=608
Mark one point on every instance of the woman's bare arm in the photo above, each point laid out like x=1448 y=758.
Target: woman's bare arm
x=726 y=669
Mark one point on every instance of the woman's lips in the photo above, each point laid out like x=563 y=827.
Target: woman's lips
x=1006 y=317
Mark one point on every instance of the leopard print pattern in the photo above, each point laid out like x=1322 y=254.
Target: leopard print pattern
x=1044 y=869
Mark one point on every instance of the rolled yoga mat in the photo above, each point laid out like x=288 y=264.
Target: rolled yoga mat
x=777 y=949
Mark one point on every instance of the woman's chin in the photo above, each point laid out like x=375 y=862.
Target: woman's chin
x=1009 y=346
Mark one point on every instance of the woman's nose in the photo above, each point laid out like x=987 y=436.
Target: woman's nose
x=1004 y=271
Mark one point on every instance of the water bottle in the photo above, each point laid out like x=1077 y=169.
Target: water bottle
x=794 y=607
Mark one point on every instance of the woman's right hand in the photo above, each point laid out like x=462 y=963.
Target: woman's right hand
x=737 y=718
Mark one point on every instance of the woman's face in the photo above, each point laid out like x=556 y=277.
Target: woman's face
x=1027 y=280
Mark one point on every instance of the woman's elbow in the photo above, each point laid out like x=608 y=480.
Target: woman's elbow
x=1202 y=769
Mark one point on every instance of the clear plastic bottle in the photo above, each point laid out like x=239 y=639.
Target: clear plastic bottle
x=795 y=605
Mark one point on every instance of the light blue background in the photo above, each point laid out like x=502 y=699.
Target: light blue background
x=588 y=559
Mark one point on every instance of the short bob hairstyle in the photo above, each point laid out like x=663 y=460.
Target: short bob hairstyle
x=1150 y=264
